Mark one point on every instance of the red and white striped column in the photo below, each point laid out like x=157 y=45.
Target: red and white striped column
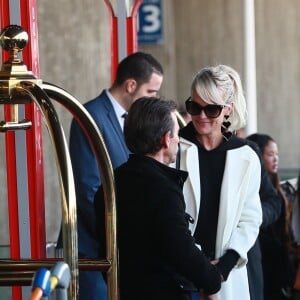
x=123 y=16
x=24 y=152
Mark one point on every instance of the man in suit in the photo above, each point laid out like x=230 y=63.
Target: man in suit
x=139 y=74
x=158 y=257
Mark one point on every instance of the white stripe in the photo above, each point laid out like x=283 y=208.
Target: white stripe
x=122 y=34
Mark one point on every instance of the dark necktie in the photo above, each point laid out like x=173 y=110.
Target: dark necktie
x=124 y=116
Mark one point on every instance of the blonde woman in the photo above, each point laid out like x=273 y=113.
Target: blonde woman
x=222 y=191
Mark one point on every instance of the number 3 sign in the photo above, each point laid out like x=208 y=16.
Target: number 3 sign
x=150 y=22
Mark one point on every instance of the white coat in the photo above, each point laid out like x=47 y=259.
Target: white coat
x=240 y=212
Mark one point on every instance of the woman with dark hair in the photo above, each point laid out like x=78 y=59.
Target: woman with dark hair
x=276 y=240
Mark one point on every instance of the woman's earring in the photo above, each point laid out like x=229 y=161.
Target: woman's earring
x=226 y=124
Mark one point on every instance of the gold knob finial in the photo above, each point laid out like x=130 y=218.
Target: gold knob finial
x=13 y=39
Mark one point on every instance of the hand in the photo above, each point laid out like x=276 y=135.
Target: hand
x=214 y=262
x=216 y=296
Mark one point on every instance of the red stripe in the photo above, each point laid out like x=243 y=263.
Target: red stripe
x=4 y=21
x=29 y=23
x=113 y=40
x=131 y=41
x=131 y=29
x=13 y=220
x=34 y=138
x=11 y=172
x=114 y=48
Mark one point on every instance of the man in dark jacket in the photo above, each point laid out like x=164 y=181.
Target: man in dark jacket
x=158 y=258
x=139 y=74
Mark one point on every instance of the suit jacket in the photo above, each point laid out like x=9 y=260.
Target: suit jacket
x=240 y=212
x=157 y=254
x=85 y=167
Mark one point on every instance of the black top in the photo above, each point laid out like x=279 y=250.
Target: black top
x=212 y=164
x=156 y=250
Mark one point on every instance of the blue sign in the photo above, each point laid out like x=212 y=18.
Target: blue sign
x=150 y=27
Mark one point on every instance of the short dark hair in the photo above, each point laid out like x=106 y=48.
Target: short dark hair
x=140 y=66
x=149 y=118
x=260 y=139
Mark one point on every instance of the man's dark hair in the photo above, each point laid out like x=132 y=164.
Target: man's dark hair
x=139 y=66
x=149 y=118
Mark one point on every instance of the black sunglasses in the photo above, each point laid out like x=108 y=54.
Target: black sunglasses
x=211 y=110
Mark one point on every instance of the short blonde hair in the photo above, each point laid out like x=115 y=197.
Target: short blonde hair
x=222 y=85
